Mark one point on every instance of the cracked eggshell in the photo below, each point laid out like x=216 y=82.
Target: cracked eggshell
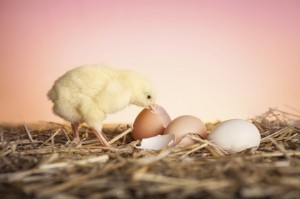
x=235 y=135
x=183 y=125
x=156 y=143
x=150 y=122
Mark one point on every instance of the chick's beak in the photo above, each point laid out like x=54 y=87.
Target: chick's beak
x=151 y=107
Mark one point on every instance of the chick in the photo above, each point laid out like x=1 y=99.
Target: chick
x=88 y=93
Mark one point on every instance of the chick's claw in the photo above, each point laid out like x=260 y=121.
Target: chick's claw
x=75 y=143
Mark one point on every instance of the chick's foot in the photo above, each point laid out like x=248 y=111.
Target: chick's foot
x=75 y=143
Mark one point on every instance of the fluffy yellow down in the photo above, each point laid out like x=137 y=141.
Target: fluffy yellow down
x=87 y=93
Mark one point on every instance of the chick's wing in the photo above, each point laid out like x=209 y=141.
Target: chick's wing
x=114 y=97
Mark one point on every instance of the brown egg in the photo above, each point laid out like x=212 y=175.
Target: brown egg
x=150 y=122
x=183 y=125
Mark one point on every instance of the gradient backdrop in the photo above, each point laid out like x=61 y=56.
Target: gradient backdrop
x=212 y=59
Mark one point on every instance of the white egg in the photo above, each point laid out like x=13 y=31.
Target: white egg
x=235 y=135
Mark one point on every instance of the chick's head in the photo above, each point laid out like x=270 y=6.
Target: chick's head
x=143 y=92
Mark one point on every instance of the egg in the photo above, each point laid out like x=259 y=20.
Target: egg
x=235 y=135
x=183 y=125
x=150 y=122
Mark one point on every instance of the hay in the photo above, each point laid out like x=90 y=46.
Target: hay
x=44 y=163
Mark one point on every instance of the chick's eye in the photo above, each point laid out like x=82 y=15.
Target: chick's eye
x=148 y=96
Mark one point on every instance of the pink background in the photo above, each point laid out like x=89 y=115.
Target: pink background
x=211 y=59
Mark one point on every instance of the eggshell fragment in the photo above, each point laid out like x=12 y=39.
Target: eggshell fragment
x=183 y=125
x=235 y=135
x=156 y=143
x=150 y=122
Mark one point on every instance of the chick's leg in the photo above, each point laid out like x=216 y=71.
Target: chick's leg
x=93 y=116
x=97 y=129
x=75 y=126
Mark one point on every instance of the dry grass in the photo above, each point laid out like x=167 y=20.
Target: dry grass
x=41 y=162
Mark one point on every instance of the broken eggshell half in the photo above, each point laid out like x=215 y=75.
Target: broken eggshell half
x=151 y=121
x=157 y=142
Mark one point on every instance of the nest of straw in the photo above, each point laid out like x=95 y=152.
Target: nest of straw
x=42 y=162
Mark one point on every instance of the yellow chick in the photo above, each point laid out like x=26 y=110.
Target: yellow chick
x=88 y=93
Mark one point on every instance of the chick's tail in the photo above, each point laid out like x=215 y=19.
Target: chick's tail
x=52 y=94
